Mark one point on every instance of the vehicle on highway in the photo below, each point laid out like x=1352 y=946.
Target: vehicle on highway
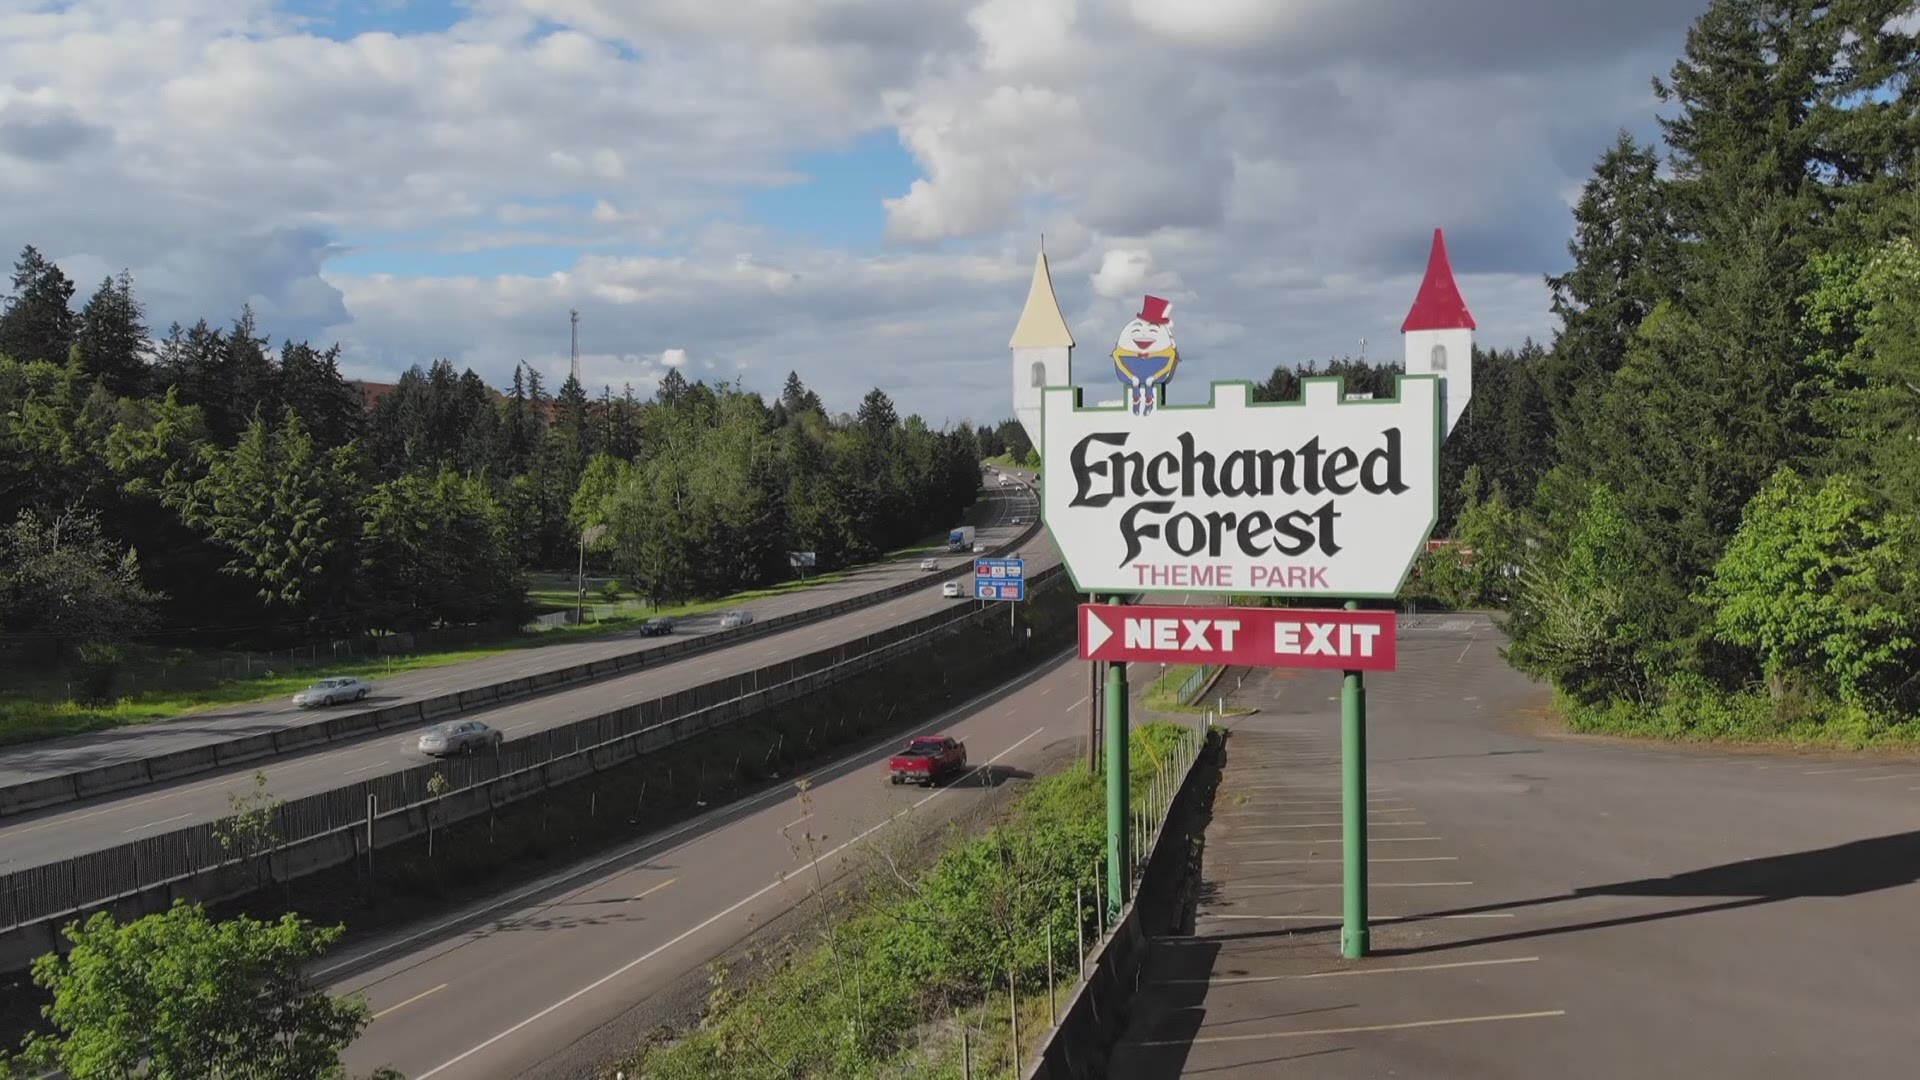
x=733 y=619
x=978 y=548
x=958 y=539
x=459 y=737
x=927 y=759
x=929 y=564
x=656 y=627
x=1018 y=520
x=1004 y=482
x=951 y=590
x=330 y=691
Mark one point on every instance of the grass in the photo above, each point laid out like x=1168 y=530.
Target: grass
x=886 y=991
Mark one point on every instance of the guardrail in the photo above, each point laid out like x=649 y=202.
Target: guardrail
x=299 y=738
x=325 y=828
x=1077 y=1046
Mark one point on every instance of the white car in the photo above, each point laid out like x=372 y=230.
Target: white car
x=978 y=548
x=330 y=691
x=951 y=590
x=733 y=619
x=1018 y=520
x=929 y=564
x=460 y=737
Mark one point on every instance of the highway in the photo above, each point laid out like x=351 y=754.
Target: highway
x=60 y=832
x=35 y=761
x=502 y=988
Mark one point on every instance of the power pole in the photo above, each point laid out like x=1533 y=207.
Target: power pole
x=574 y=318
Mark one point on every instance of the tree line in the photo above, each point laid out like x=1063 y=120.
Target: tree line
x=1701 y=504
x=207 y=488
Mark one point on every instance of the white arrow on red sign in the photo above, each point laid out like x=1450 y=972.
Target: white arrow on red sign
x=1246 y=637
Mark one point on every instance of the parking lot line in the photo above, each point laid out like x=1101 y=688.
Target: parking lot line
x=1233 y=980
x=1356 y=1029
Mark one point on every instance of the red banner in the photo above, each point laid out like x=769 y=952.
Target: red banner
x=1247 y=637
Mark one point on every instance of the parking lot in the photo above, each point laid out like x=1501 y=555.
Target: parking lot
x=1543 y=905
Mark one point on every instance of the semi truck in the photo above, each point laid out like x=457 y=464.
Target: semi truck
x=960 y=539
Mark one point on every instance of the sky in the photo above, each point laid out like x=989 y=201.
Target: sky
x=853 y=189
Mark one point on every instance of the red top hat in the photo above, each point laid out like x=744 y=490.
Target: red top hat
x=1154 y=310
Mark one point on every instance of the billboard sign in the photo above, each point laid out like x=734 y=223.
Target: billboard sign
x=1325 y=496
x=799 y=559
x=1239 y=636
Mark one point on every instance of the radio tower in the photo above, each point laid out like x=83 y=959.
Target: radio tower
x=573 y=316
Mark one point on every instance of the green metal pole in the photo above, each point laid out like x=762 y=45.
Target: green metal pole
x=1353 y=811
x=1119 y=875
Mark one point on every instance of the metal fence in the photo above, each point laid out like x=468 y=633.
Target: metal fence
x=1195 y=683
x=92 y=879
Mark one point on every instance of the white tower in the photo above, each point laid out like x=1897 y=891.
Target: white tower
x=1042 y=349
x=1439 y=334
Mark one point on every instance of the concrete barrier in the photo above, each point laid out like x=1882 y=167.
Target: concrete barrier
x=35 y=794
x=247 y=749
x=116 y=777
x=180 y=763
x=288 y=740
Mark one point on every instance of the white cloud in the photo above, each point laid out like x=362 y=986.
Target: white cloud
x=1276 y=168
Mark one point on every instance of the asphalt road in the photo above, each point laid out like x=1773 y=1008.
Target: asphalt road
x=53 y=757
x=60 y=832
x=499 y=990
x=1543 y=904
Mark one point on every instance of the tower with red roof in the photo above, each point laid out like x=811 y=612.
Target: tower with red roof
x=1439 y=333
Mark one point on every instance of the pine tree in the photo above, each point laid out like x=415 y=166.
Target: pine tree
x=111 y=342
x=37 y=323
x=309 y=383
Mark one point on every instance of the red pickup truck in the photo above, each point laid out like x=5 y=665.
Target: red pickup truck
x=927 y=759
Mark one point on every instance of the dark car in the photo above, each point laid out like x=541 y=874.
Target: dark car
x=657 y=626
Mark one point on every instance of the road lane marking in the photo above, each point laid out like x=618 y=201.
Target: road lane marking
x=1356 y=1029
x=1326 y=825
x=795 y=821
x=151 y=824
x=1889 y=776
x=1828 y=772
x=1075 y=707
x=364 y=768
x=1336 y=862
x=783 y=879
x=1332 y=840
x=656 y=888
x=1233 y=980
x=1463 y=652
x=1336 y=917
x=1338 y=885
x=409 y=1001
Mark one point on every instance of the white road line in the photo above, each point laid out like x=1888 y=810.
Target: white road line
x=151 y=824
x=1828 y=772
x=364 y=768
x=1336 y=917
x=1889 y=776
x=1327 y=825
x=1355 y=1030
x=1337 y=885
x=783 y=879
x=1463 y=652
x=687 y=826
x=1336 y=862
x=1329 y=840
x=409 y=1001
x=1075 y=707
x=795 y=821
x=1233 y=980
x=649 y=892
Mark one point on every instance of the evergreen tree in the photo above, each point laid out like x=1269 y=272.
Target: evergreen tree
x=110 y=342
x=36 y=322
x=310 y=384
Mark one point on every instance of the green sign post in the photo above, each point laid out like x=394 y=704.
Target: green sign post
x=1353 y=810
x=1119 y=880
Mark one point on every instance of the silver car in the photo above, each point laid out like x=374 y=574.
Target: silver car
x=329 y=691
x=929 y=564
x=459 y=737
x=734 y=619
